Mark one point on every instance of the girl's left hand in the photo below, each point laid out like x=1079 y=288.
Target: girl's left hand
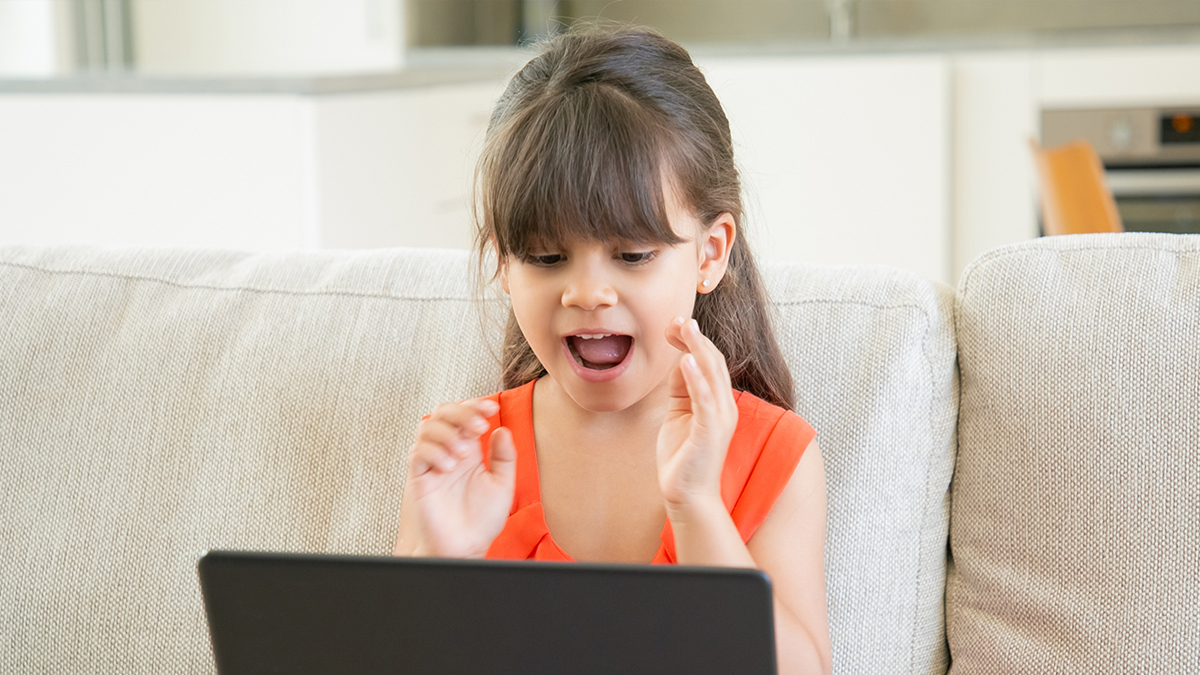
x=701 y=418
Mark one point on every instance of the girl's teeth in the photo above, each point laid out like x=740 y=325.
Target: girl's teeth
x=594 y=337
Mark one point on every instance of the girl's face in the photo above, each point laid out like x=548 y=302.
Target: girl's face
x=596 y=313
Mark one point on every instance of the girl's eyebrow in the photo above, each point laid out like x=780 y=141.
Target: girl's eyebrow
x=542 y=245
x=630 y=242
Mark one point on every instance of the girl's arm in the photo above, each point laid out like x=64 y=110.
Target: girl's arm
x=789 y=547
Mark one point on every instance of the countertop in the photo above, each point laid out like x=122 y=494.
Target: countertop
x=431 y=67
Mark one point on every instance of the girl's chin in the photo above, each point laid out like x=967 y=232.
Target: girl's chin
x=611 y=396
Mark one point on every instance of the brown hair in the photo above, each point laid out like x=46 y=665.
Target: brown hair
x=577 y=147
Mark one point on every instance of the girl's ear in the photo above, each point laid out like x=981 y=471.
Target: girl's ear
x=715 y=246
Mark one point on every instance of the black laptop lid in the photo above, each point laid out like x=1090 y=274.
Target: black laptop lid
x=288 y=613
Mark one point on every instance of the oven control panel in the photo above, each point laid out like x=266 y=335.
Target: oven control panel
x=1129 y=136
x=1151 y=160
x=1179 y=128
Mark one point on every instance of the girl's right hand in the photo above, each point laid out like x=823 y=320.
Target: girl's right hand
x=454 y=505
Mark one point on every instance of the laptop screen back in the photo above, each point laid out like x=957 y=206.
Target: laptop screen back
x=342 y=614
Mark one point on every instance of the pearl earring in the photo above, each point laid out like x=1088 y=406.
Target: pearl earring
x=705 y=283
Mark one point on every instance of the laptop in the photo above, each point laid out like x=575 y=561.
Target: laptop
x=293 y=613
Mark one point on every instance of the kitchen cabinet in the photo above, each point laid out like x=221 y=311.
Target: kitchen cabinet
x=915 y=159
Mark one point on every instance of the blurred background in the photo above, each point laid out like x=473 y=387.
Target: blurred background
x=891 y=132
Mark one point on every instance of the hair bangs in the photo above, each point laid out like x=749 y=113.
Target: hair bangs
x=588 y=165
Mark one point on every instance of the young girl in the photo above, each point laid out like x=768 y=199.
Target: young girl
x=647 y=416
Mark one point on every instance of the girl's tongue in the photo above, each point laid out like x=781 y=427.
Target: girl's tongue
x=601 y=353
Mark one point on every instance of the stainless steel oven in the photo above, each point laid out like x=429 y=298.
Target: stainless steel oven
x=1151 y=159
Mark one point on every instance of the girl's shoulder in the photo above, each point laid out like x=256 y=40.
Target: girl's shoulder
x=763 y=421
x=764 y=452
x=514 y=408
x=515 y=400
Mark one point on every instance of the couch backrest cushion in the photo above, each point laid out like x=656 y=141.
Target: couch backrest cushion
x=1076 y=502
x=872 y=353
x=158 y=403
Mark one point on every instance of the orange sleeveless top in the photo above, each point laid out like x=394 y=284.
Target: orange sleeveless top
x=765 y=450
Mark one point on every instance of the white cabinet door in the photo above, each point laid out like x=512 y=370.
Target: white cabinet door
x=846 y=159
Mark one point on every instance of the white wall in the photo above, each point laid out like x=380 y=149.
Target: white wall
x=845 y=159
x=168 y=170
x=242 y=171
x=395 y=168
x=993 y=183
x=1118 y=76
x=229 y=37
x=35 y=38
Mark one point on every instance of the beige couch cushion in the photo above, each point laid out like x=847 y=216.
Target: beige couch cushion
x=1076 y=503
x=157 y=403
x=872 y=352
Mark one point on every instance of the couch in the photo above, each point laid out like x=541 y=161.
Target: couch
x=1013 y=466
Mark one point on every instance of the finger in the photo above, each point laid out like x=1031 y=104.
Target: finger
x=708 y=357
x=677 y=389
x=502 y=457
x=456 y=440
x=486 y=406
x=712 y=362
x=431 y=458
x=704 y=405
x=470 y=417
x=675 y=333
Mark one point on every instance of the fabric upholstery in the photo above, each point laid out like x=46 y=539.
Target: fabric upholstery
x=872 y=353
x=1076 y=503
x=158 y=403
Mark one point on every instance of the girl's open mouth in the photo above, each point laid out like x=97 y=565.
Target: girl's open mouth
x=599 y=351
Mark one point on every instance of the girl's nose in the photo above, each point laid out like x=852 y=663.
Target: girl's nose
x=588 y=291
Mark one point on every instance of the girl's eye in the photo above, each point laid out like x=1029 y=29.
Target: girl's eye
x=637 y=258
x=547 y=260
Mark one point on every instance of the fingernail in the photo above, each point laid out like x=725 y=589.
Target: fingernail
x=689 y=361
x=479 y=424
x=489 y=407
x=461 y=448
x=446 y=463
x=695 y=325
x=679 y=320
